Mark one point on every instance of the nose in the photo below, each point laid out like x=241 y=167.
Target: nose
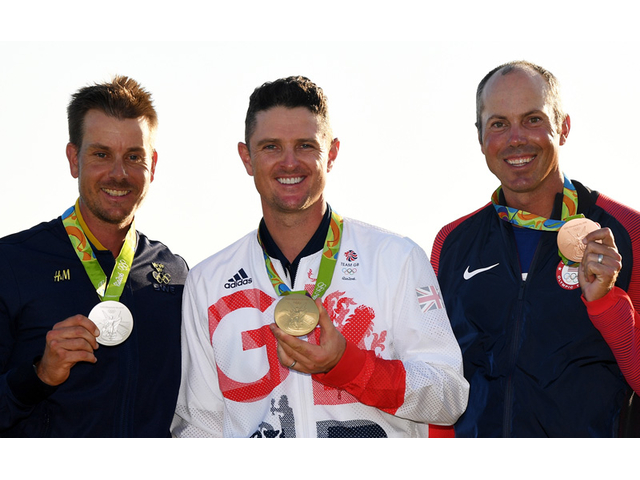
x=289 y=158
x=517 y=135
x=118 y=169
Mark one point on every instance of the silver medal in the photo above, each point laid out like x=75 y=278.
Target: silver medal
x=114 y=321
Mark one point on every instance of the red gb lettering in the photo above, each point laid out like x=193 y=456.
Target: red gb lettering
x=353 y=320
x=262 y=337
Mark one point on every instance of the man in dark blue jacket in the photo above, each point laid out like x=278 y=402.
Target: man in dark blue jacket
x=550 y=344
x=89 y=307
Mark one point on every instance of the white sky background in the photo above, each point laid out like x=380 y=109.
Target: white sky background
x=401 y=79
x=404 y=111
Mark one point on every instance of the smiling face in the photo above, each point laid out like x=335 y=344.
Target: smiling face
x=289 y=155
x=114 y=166
x=519 y=139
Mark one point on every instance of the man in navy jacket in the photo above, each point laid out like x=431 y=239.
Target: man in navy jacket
x=55 y=378
x=550 y=346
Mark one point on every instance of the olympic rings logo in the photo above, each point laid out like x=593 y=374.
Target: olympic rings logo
x=349 y=271
x=162 y=277
x=570 y=277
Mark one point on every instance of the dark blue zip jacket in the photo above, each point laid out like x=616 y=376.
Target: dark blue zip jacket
x=536 y=364
x=132 y=389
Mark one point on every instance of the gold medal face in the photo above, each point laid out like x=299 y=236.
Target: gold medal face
x=114 y=321
x=296 y=314
x=570 y=237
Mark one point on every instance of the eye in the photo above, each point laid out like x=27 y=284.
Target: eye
x=100 y=155
x=497 y=124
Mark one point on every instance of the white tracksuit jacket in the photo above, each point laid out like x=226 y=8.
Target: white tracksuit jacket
x=401 y=371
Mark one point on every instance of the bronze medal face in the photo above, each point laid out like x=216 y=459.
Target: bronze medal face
x=114 y=321
x=570 y=237
x=296 y=314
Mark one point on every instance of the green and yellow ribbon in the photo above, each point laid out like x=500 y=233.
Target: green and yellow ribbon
x=80 y=239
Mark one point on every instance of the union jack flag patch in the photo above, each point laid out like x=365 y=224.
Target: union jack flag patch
x=429 y=298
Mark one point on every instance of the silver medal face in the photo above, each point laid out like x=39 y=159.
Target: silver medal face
x=114 y=321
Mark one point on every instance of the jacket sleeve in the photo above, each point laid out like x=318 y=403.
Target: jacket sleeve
x=200 y=406
x=424 y=383
x=616 y=317
x=20 y=388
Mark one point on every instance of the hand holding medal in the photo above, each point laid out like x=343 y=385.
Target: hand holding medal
x=71 y=341
x=582 y=240
x=305 y=357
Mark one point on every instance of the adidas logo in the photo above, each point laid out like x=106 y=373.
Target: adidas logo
x=239 y=279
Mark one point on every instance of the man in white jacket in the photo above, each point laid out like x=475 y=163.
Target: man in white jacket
x=382 y=360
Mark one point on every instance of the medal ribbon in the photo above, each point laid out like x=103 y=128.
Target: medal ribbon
x=327 y=261
x=536 y=222
x=73 y=224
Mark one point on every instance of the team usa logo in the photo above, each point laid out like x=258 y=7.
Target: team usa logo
x=567 y=277
x=429 y=298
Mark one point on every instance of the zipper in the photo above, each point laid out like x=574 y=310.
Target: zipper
x=515 y=337
x=513 y=356
x=306 y=424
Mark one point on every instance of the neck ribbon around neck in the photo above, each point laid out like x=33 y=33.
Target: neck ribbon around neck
x=328 y=261
x=75 y=228
x=524 y=219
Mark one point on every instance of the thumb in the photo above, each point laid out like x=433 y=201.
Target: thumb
x=324 y=321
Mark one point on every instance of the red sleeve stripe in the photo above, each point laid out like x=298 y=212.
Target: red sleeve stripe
x=442 y=236
x=618 y=322
x=620 y=326
x=630 y=220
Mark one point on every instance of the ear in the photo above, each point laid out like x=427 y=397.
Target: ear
x=480 y=138
x=333 y=153
x=72 y=156
x=566 y=127
x=154 y=161
x=243 y=151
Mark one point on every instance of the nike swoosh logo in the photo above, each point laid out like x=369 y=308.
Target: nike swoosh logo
x=467 y=274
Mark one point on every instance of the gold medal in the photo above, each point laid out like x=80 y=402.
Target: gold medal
x=570 y=237
x=296 y=314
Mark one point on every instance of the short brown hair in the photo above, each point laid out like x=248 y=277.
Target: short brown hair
x=122 y=98
x=553 y=91
x=290 y=92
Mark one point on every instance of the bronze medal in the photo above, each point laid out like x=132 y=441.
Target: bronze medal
x=296 y=314
x=570 y=237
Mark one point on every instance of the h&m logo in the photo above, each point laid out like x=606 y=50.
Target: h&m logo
x=62 y=275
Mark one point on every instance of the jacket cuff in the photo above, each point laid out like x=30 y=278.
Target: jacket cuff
x=26 y=386
x=346 y=370
x=601 y=305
